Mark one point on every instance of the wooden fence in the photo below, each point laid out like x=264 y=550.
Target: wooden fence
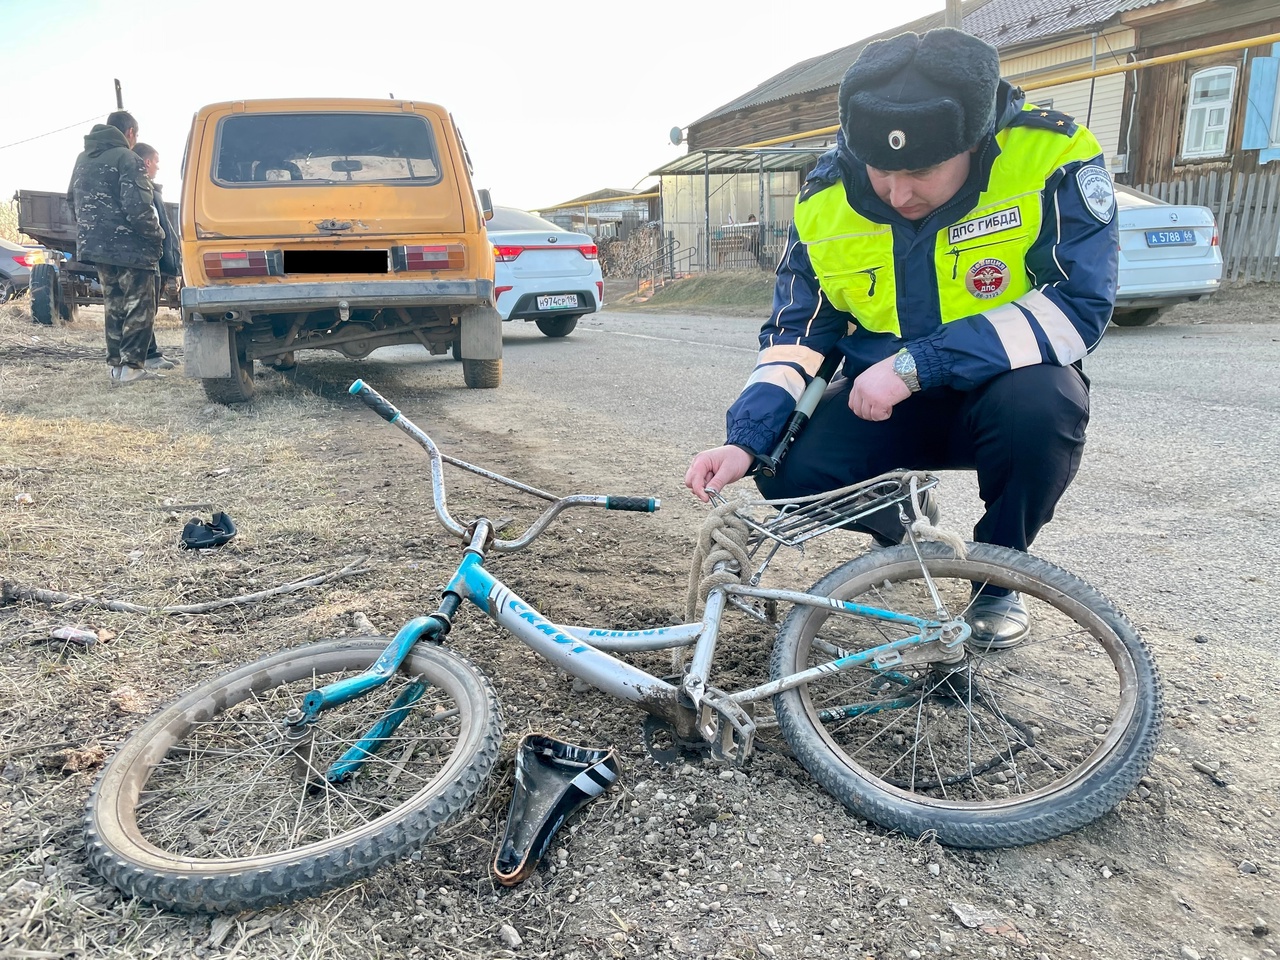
x=1247 y=208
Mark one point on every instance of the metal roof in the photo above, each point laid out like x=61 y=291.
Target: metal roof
x=741 y=161
x=1009 y=23
x=1002 y=23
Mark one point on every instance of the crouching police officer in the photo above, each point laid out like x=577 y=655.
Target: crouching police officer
x=958 y=247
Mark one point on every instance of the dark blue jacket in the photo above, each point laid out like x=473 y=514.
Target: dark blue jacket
x=1072 y=263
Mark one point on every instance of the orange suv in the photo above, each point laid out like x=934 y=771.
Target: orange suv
x=342 y=225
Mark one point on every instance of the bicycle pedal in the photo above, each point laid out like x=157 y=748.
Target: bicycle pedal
x=728 y=726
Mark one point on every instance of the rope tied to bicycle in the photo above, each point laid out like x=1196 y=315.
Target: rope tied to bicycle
x=925 y=530
x=722 y=538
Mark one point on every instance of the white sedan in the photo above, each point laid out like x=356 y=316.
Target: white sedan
x=543 y=272
x=1169 y=253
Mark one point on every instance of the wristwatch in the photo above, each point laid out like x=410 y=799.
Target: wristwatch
x=904 y=365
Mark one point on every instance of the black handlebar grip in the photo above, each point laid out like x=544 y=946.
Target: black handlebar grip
x=642 y=504
x=375 y=401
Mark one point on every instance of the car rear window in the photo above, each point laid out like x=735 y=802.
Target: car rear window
x=326 y=148
x=509 y=218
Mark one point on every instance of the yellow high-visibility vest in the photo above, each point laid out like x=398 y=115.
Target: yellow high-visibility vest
x=979 y=260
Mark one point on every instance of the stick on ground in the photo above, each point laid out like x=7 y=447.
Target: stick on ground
x=14 y=592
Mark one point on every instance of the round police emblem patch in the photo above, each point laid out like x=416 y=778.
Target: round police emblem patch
x=897 y=139
x=987 y=279
x=1097 y=192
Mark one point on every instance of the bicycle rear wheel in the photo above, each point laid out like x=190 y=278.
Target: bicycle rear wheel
x=207 y=807
x=1004 y=748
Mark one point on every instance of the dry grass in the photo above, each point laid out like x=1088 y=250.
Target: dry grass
x=95 y=484
x=733 y=293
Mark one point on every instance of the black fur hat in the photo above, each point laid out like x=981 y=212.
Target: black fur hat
x=912 y=101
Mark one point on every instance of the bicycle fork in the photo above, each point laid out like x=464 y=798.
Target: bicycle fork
x=299 y=723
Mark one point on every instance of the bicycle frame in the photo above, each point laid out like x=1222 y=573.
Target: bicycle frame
x=695 y=707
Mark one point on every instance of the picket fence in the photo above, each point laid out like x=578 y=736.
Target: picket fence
x=1247 y=208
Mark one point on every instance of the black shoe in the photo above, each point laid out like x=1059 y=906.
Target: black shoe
x=997 y=622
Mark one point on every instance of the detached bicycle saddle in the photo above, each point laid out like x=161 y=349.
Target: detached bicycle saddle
x=554 y=780
x=200 y=534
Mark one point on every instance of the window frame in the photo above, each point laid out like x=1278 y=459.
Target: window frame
x=1274 y=133
x=1198 y=154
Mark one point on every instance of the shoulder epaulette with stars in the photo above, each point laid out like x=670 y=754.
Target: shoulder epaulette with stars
x=1044 y=118
x=810 y=187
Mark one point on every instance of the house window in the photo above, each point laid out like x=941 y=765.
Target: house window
x=1209 y=112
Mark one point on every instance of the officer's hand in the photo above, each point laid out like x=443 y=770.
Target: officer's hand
x=876 y=391
x=716 y=469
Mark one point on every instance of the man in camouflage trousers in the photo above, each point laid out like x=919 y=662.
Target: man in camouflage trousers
x=119 y=233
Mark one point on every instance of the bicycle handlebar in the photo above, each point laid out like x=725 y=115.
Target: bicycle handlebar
x=389 y=412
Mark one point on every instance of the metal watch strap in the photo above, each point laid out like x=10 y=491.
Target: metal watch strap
x=904 y=365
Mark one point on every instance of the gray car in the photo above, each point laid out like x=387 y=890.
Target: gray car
x=15 y=270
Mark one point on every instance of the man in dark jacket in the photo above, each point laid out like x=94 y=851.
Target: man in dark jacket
x=120 y=234
x=170 y=265
x=958 y=250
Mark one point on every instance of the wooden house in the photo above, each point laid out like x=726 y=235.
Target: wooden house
x=1211 y=120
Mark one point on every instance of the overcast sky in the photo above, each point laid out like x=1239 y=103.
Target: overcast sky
x=555 y=99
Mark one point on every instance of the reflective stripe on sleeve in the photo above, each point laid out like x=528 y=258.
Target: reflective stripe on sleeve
x=805 y=357
x=1068 y=346
x=780 y=375
x=1016 y=336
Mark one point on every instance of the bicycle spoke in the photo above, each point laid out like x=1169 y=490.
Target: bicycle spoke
x=968 y=734
x=235 y=786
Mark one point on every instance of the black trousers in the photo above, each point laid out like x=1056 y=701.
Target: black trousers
x=1023 y=432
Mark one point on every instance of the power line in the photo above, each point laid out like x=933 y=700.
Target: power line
x=96 y=116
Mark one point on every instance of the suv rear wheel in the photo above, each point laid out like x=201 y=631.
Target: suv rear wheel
x=239 y=387
x=482 y=374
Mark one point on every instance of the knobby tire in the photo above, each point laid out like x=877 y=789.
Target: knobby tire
x=207 y=807
x=1010 y=747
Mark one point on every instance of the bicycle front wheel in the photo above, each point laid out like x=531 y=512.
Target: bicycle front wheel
x=1001 y=749
x=209 y=807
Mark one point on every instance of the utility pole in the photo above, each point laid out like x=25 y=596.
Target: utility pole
x=120 y=97
x=953 y=17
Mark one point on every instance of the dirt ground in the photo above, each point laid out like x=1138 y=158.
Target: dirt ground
x=693 y=860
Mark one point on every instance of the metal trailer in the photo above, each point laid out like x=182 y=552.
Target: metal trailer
x=59 y=282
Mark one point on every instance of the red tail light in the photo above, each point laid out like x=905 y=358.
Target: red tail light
x=243 y=263
x=444 y=256
x=25 y=260
x=499 y=291
x=505 y=254
x=1214 y=241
